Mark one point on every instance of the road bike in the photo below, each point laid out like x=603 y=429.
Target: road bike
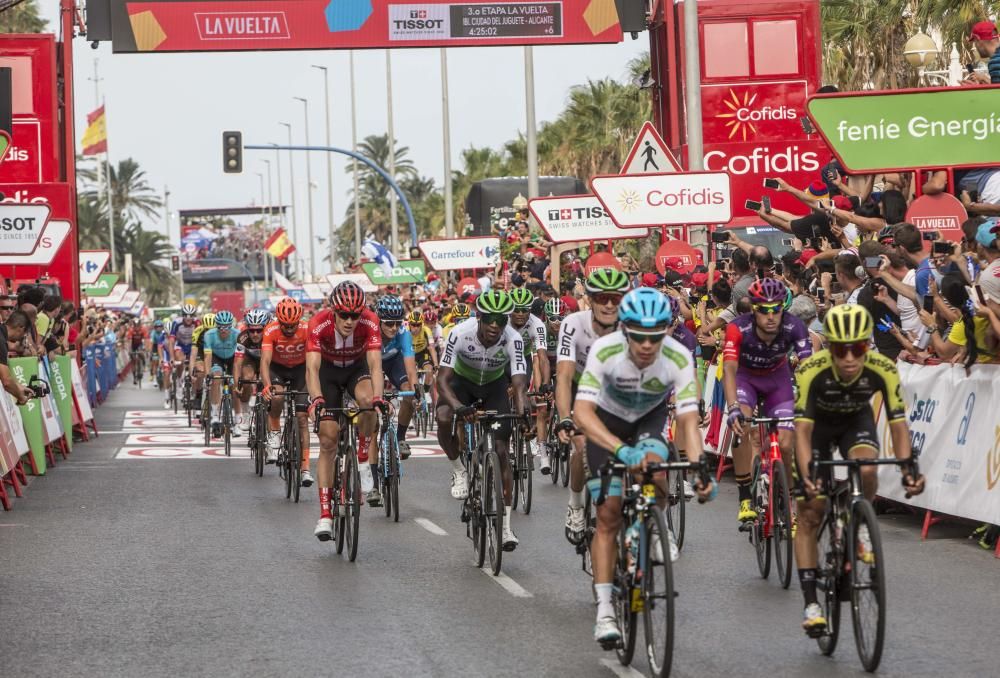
x=421 y=411
x=226 y=418
x=257 y=433
x=845 y=570
x=522 y=465
x=290 y=453
x=676 y=500
x=345 y=499
x=188 y=398
x=643 y=576
x=138 y=367
x=390 y=465
x=770 y=493
x=558 y=451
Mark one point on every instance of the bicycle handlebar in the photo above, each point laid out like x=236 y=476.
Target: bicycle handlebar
x=911 y=463
x=614 y=464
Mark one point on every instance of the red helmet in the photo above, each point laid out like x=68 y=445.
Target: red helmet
x=288 y=311
x=430 y=317
x=348 y=297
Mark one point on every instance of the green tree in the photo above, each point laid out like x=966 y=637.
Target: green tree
x=21 y=17
x=131 y=195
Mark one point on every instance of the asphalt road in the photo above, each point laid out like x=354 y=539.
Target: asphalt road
x=196 y=567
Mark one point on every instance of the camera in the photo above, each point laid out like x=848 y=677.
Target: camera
x=942 y=247
x=720 y=236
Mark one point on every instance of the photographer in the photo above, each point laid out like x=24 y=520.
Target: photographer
x=13 y=332
x=880 y=299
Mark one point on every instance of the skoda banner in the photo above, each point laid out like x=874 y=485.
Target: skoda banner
x=453 y=254
x=409 y=271
x=102 y=288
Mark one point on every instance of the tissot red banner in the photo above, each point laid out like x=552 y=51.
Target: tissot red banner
x=182 y=26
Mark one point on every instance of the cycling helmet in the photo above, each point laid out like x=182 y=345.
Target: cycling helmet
x=460 y=312
x=606 y=280
x=415 y=317
x=887 y=234
x=288 y=311
x=257 y=317
x=430 y=317
x=767 y=291
x=646 y=308
x=348 y=297
x=158 y=324
x=788 y=298
x=847 y=324
x=224 y=319
x=554 y=308
x=494 y=301
x=188 y=309
x=208 y=321
x=521 y=297
x=389 y=307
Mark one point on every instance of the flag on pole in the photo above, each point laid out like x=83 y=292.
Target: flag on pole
x=377 y=252
x=95 y=138
x=279 y=245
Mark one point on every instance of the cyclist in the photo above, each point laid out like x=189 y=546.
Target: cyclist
x=621 y=408
x=398 y=362
x=138 y=335
x=424 y=351
x=756 y=370
x=459 y=313
x=246 y=364
x=156 y=347
x=833 y=407
x=477 y=359
x=532 y=331
x=554 y=311
x=181 y=332
x=283 y=358
x=343 y=355
x=605 y=288
x=220 y=350
x=196 y=362
x=431 y=320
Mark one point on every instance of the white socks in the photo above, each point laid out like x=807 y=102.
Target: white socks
x=576 y=498
x=456 y=464
x=604 y=606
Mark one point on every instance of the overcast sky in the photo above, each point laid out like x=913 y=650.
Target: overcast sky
x=168 y=110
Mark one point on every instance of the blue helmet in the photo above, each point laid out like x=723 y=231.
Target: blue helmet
x=224 y=319
x=645 y=307
x=389 y=307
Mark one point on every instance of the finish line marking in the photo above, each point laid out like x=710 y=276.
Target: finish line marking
x=508 y=584
x=619 y=670
x=430 y=527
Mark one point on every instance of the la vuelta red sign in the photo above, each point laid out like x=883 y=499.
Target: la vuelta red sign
x=183 y=26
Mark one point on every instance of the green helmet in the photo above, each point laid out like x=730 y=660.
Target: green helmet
x=494 y=301
x=521 y=297
x=607 y=280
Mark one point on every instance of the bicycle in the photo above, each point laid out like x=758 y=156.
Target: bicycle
x=421 y=412
x=226 y=418
x=522 y=464
x=483 y=508
x=640 y=582
x=138 y=367
x=257 y=435
x=769 y=490
x=842 y=572
x=290 y=453
x=390 y=466
x=558 y=451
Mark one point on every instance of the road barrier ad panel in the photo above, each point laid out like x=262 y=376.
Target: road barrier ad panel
x=61 y=383
x=23 y=370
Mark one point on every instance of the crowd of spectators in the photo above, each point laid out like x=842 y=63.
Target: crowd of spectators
x=242 y=243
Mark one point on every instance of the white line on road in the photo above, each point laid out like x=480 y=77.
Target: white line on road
x=619 y=670
x=430 y=527
x=508 y=584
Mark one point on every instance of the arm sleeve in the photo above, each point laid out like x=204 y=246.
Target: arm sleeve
x=313 y=343
x=374 y=342
x=405 y=343
x=539 y=336
x=731 y=350
x=803 y=345
x=685 y=386
x=804 y=407
x=267 y=341
x=240 y=350
x=515 y=351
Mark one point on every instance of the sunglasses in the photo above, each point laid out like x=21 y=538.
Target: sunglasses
x=769 y=309
x=498 y=319
x=289 y=329
x=392 y=323
x=255 y=330
x=858 y=348
x=348 y=316
x=644 y=338
x=554 y=318
x=604 y=298
x=7 y=308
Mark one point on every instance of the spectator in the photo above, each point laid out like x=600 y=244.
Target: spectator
x=12 y=331
x=980 y=190
x=7 y=306
x=988 y=241
x=986 y=42
x=984 y=328
x=910 y=245
x=742 y=276
x=850 y=276
x=880 y=299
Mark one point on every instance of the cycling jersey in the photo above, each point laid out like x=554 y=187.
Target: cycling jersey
x=686 y=338
x=136 y=336
x=158 y=337
x=400 y=345
x=286 y=351
x=743 y=344
x=223 y=348
x=619 y=387
x=821 y=393
x=551 y=344
x=420 y=338
x=533 y=334
x=246 y=347
x=198 y=339
x=480 y=364
x=182 y=334
x=343 y=351
x=576 y=336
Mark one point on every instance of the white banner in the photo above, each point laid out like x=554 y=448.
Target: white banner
x=113 y=299
x=665 y=199
x=56 y=233
x=21 y=226
x=13 y=442
x=92 y=264
x=573 y=218
x=453 y=254
x=81 y=394
x=359 y=278
x=954 y=422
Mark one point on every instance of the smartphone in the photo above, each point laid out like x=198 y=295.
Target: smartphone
x=720 y=236
x=930 y=235
x=873 y=262
x=942 y=247
x=752 y=205
x=807 y=125
x=979 y=293
x=766 y=202
x=821 y=294
x=770 y=183
x=929 y=303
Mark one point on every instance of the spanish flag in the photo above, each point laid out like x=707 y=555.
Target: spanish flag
x=95 y=138
x=279 y=245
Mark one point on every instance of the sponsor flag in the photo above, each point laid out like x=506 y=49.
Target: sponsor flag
x=377 y=252
x=95 y=138
x=283 y=282
x=279 y=245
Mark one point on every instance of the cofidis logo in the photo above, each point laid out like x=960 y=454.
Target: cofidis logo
x=741 y=114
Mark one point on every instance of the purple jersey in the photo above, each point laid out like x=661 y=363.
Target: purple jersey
x=743 y=344
x=686 y=338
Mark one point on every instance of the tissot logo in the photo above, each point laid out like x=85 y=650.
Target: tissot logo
x=418 y=14
x=577 y=213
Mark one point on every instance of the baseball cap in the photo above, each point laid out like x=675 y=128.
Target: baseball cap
x=649 y=279
x=846 y=203
x=988 y=232
x=570 y=303
x=984 y=30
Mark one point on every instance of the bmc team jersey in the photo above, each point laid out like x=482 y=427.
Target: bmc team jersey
x=285 y=351
x=401 y=345
x=246 y=348
x=533 y=334
x=613 y=382
x=576 y=336
x=419 y=339
x=343 y=351
x=821 y=396
x=223 y=348
x=182 y=335
x=743 y=344
x=480 y=364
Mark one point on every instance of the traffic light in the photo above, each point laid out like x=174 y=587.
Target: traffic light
x=232 y=152
x=175 y=263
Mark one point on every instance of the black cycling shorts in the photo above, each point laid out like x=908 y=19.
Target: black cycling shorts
x=844 y=432
x=423 y=358
x=493 y=396
x=395 y=371
x=225 y=363
x=250 y=361
x=293 y=378
x=652 y=425
x=335 y=380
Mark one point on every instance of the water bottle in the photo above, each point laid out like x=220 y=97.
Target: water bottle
x=632 y=544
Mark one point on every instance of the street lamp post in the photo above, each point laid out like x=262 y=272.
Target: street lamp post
x=393 y=217
x=532 y=137
x=291 y=173
x=354 y=168
x=449 y=208
x=263 y=217
x=312 y=230
x=329 y=168
x=281 y=202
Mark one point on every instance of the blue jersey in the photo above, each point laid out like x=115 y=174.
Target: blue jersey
x=182 y=335
x=401 y=345
x=158 y=337
x=224 y=348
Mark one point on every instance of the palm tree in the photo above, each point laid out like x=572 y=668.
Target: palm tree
x=131 y=194
x=147 y=248
x=21 y=17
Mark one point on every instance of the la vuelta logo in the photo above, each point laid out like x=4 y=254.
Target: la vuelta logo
x=993 y=461
x=742 y=115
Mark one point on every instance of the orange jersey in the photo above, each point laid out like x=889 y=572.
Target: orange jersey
x=287 y=351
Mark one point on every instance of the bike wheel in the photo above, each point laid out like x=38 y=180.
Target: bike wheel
x=286 y=455
x=394 y=484
x=339 y=507
x=352 y=491
x=383 y=471
x=781 y=523
x=564 y=463
x=173 y=392
x=523 y=478
x=206 y=422
x=555 y=460
x=760 y=541
x=867 y=586
x=583 y=548
x=493 y=510
x=658 y=598
x=227 y=424
x=190 y=413
x=296 y=461
x=621 y=597
x=676 y=506
x=257 y=448
x=514 y=461
x=828 y=587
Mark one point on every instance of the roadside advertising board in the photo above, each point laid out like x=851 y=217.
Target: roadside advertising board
x=358 y=278
x=409 y=271
x=452 y=254
x=105 y=284
x=665 y=199
x=942 y=212
x=574 y=218
x=92 y=264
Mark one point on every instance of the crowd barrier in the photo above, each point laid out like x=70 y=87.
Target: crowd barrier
x=33 y=434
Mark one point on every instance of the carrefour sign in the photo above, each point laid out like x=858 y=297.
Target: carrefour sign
x=453 y=254
x=409 y=271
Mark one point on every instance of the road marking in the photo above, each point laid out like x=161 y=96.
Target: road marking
x=12 y=525
x=430 y=527
x=508 y=584
x=619 y=670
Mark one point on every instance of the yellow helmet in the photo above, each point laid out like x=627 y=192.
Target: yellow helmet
x=208 y=321
x=460 y=312
x=415 y=317
x=848 y=324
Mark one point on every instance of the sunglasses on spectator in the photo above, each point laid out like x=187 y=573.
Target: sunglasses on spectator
x=604 y=298
x=392 y=323
x=498 y=319
x=7 y=308
x=769 y=309
x=645 y=337
x=344 y=315
x=858 y=348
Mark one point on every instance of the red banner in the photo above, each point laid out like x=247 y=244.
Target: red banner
x=34 y=152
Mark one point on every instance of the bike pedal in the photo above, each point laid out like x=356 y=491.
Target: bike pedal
x=816 y=631
x=608 y=645
x=746 y=527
